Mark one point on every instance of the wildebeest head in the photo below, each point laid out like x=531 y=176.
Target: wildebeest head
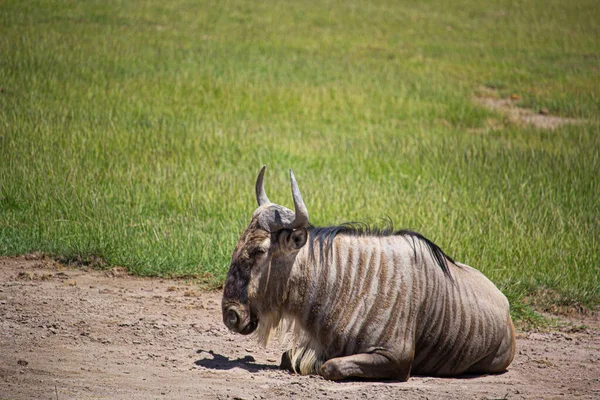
x=262 y=258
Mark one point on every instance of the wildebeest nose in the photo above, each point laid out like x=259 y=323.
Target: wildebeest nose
x=232 y=319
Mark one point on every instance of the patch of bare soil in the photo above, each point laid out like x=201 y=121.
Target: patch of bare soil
x=524 y=116
x=75 y=334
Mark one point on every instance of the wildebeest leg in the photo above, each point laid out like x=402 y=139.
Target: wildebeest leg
x=499 y=359
x=378 y=364
x=286 y=361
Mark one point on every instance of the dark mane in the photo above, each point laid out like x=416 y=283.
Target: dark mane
x=323 y=238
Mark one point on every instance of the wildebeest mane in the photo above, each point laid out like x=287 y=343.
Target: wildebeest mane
x=323 y=237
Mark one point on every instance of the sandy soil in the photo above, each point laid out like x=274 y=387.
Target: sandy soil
x=70 y=333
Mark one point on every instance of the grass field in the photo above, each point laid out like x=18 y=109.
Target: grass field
x=132 y=131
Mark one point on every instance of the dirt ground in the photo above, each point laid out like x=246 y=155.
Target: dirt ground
x=517 y=115
x=76 y=334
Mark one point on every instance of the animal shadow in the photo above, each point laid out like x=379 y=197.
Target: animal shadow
x=466 y=376
x=221 y=362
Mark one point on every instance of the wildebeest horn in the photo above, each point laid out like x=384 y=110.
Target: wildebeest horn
x=301 y=213
x=261 y=195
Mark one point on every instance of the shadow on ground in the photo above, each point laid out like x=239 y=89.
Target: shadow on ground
x=221 y=362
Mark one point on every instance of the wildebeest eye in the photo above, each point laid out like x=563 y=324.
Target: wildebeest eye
x=258 y=252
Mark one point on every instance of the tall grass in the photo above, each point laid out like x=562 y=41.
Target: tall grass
x=133 y=130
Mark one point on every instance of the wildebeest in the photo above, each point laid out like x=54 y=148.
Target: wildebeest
x=360 y=302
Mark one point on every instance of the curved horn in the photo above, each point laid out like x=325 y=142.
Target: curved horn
x=301 y=213
x=261 y=195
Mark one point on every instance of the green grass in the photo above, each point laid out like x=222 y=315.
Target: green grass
x=133 y=130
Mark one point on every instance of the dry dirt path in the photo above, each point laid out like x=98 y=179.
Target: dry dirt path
x=75 y=334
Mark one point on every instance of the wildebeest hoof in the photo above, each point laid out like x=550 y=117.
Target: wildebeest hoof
x=286 y=361
x=330 y=370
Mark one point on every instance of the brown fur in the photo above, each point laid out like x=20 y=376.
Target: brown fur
x=373 y=306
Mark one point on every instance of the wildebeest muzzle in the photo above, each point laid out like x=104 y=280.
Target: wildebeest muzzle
x=239 y=318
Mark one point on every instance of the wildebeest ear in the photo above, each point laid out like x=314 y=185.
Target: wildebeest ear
x=293 y=240
x=299 y=237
